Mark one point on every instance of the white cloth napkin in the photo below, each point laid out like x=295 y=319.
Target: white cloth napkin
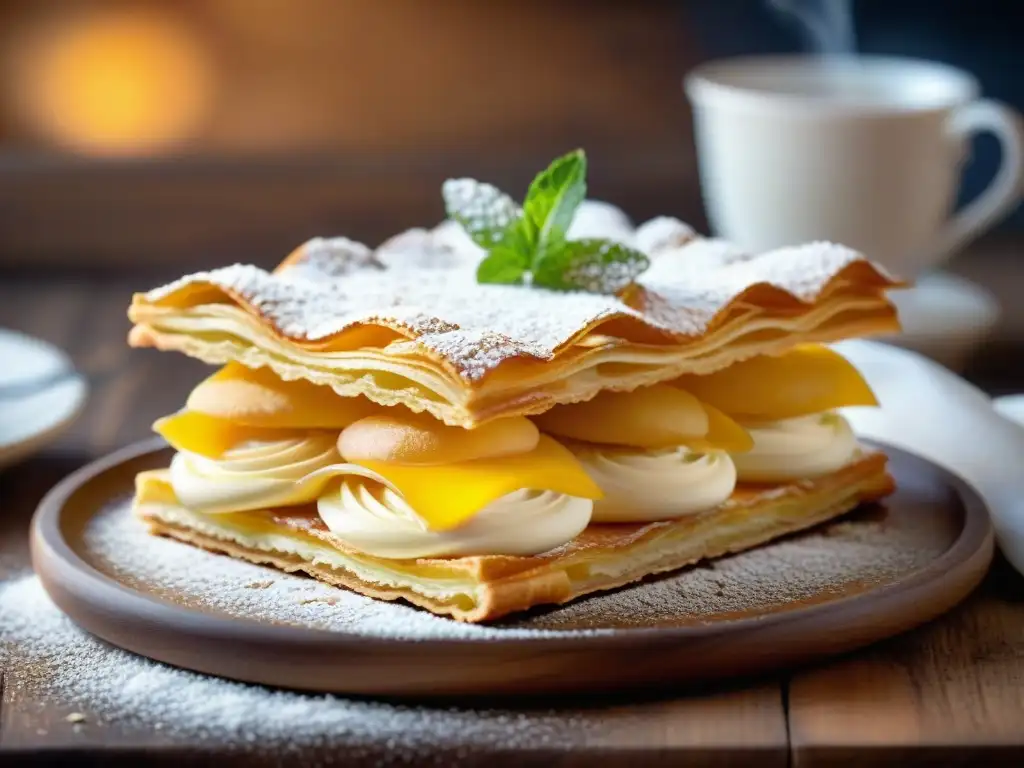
x=930 y=411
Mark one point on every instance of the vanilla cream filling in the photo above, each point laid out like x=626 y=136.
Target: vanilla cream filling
x=644 y=485
x=254 y=475
x=360 y=507
x=376 y=520
x=795 y=449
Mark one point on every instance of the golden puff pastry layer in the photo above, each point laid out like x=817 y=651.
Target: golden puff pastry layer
x=410 y=325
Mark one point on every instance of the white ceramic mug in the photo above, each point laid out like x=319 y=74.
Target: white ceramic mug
x=864 y=151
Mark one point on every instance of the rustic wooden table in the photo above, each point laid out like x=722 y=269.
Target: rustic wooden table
x=949 y=693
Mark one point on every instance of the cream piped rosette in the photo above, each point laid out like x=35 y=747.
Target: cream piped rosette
x=255 y=474
x=374 y=518
x=786 y=403
x=799 y=448
x=430 y=490
x=657 y=453
x=659 y=484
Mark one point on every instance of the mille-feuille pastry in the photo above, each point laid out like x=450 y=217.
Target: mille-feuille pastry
x=433 y=420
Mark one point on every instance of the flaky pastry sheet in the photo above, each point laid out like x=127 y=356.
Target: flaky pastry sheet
x=406 y=326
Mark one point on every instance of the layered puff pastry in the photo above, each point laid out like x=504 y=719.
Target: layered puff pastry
x=408 y=324
x=385 y=423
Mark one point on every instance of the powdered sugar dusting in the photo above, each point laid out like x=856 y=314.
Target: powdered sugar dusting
x=430 y=249
x=475 y=352
x=662 y=234
x=840 y=558
x=333 y=257
x=423 y=284
x=57 y=666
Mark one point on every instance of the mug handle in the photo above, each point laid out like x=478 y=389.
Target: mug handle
x=1003 y=192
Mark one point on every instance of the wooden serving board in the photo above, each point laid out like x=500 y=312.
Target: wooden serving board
x=876 y=573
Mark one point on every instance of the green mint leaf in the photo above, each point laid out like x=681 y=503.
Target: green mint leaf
x=503 y=265
x=593 y=265
x=529 y=245
x=484 y=211
x=551 y=202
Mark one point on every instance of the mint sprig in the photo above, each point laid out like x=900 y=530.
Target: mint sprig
x=483 y=210
x=552 y=200
x=530 y=244
x=592 y=265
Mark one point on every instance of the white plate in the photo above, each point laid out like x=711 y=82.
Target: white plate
x=934 y=413
x=29 y=421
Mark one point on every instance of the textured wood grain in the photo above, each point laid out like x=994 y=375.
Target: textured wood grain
x=954 y=688
x=729 y=728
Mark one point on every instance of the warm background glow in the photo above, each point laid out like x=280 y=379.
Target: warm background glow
x=117 y=77
x=118 y=81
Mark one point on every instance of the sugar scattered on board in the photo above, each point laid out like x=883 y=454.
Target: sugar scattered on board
x=52 y=661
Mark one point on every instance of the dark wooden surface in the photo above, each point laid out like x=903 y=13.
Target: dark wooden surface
x=951 y=690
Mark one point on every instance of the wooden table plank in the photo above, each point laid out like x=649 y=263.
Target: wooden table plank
x=743 y=726
x=130 y=388
x=954 y=688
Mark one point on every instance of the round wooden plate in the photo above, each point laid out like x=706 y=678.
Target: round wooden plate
x=908 y=561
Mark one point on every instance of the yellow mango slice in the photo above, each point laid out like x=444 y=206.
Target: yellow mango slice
x=724 y=434
x=447 y=496
x=400 y=437
x=658 y=416
x=808 y=379
x=209 y=436
x=259 y=398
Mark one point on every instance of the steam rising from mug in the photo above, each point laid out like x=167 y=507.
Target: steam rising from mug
x=827 y=24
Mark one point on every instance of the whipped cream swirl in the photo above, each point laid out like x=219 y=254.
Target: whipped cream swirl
x=374 y=519
x=254 y=474
x=648 y=485
x=796 y=449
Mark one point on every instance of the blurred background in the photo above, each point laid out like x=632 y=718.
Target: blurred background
x=140 y=139
x=193 y=132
